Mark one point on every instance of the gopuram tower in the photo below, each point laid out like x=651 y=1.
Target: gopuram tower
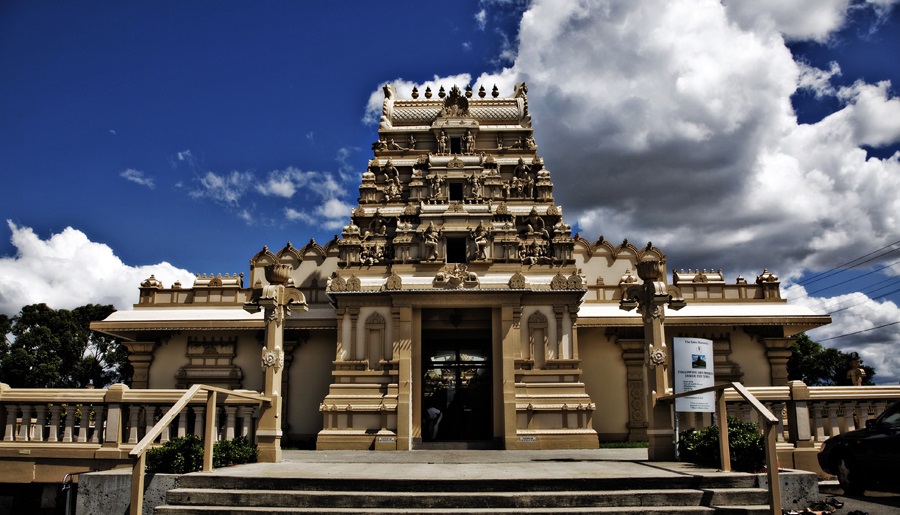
x=456 y=290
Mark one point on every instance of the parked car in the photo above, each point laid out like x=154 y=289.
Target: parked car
x=867 y=457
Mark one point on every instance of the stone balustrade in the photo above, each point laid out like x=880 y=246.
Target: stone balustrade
x=95 y=429
x=809 y=415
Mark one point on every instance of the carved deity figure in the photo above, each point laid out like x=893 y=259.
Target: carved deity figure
x=378 y=225
x=371 y=254
x=392 y=192
x=437 y=183
x=412 y=142
x=520 y=186
x=529 y=143
x=522 y=169
x=381 y=144
x=442 y=143
x=536 y=224
x=432 y=237
x=391 y=173
x=477 y=183
x=480 y=237
x=470 y=143
x=508 y=187
x=499 y=141
x=528 y=186
x=856 y=374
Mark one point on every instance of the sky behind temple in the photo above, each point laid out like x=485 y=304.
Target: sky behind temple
x=177 y=138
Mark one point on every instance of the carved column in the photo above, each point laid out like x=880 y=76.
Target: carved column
x=633 y=356
x=650 y=298
x=558 y=352
x=276 y=301
x=140 y=354
x=403 y=328
x=573 y=316
x=341 y=348
x=511 y=333
x=354 y=350
x=778 y=351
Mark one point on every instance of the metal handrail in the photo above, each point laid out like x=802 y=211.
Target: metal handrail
x=138 y=452
x=769 y=421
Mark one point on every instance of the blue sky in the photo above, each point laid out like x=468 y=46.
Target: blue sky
x=180 y=137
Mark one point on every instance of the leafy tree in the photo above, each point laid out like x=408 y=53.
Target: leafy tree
x=816 y=365
x=48 y=348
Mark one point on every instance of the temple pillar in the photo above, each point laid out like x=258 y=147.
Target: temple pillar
x=276 y=301
x=402 y=349
x=633 y=357
x=511 y=335
x=778 y=352
x=140 y=355
x=650 y=298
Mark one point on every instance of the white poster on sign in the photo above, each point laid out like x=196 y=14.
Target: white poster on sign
x=694 y=369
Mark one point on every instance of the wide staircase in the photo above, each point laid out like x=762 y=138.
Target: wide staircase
x=243 y=494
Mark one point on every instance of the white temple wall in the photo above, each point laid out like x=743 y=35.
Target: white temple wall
x=249 y=358
x=750 y=354
x=605 y=382
x=167 y=359
x=310 y=375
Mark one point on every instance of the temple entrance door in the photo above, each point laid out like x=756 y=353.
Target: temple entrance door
x=457 y=386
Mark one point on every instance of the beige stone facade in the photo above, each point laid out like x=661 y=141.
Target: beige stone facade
x=457 y=309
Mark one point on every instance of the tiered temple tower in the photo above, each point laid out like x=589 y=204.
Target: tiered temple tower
x=456 y=290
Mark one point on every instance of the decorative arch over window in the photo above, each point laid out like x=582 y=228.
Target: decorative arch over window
x=374 y=339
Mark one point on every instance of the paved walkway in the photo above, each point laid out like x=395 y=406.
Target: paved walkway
x=468 y=464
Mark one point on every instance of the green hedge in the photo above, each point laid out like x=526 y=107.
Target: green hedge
x=185 y=454
x=746 y=446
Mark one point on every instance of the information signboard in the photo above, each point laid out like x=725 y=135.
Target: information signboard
x=694 y=369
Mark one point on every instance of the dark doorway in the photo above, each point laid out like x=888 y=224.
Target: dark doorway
x=457 y=386
x=456 y=250
x=456 y=145
x=456 y=190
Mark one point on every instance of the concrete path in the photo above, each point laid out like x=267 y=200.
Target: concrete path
x=468 y=464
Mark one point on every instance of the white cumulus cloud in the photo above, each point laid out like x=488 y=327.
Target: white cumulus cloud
x=672 y=122
x=68 y=270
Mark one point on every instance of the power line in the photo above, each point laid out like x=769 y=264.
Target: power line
x=832 y=303
x=847 y=281
x=863 y=301
x=858 y=332
x=853 y=263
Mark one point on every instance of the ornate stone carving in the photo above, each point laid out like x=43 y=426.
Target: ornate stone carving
x=456 y=104
x=432 y=238
x=272 y=358
x=517 y=281
x=657 y=357
x=337 y=283
x=353 y=283
x=559 y=282
x=480 y=237
x=393 y=282
x=454 y=276
x=575 y=281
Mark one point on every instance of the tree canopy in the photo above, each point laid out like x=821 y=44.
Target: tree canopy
x=47 y=348
x=816 y=365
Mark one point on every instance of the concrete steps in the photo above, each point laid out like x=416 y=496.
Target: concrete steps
x=234 y=495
